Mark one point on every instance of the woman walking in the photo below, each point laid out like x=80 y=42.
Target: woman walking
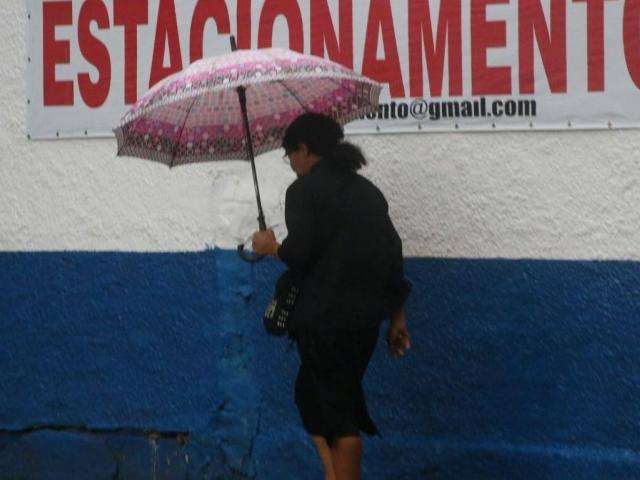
x=343 y=246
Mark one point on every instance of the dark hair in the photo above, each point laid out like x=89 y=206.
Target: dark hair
x=323 y=136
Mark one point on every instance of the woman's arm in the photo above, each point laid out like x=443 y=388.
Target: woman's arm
x=398 y=286
x=398 y=339
x=296 y=249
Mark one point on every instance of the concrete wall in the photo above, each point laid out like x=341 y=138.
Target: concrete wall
x=130 y=336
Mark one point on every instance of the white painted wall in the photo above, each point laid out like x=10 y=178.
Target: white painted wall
x=561 y=195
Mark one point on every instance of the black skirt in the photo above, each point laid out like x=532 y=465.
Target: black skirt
x=328 y=389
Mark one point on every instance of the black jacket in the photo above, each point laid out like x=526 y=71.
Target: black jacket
x=344 y=246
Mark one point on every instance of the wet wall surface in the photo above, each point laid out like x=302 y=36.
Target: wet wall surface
x=155 y=365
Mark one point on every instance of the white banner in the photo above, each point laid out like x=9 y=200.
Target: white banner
x=445 y=64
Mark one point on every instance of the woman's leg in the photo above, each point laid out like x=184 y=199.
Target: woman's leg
x=345 y=454
x=324 y=452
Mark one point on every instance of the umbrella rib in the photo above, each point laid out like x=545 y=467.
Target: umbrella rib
x=175 y=149
x=281 y=82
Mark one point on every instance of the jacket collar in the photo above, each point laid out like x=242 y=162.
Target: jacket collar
x=320 y=165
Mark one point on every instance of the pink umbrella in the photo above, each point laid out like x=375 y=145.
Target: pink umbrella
x=238 y=105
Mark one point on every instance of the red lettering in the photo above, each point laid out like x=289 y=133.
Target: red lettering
x=95 y=52
x=388 y=69
x=205 y=10
x=323 y=35
x=487 y=80
x=449 y=36
x=243 y=27
x=270 y=11
x=595 y=44
x=631 y=37
x=553 y=46
x=130 y=14
x=166 y=32
x=55 y=52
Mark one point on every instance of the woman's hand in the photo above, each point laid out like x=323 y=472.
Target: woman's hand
x=264 y=242
x=398 y=339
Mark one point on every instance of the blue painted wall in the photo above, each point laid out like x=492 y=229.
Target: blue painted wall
x=143 y=365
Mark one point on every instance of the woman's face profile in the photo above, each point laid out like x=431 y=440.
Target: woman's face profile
x=300 y=159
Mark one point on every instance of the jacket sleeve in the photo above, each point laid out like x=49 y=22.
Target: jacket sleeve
x=296 y=248
x=398 y=286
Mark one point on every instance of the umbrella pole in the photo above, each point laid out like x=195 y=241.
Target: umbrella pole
x=243 y=106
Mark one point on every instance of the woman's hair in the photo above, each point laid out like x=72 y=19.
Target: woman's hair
x=323 y=136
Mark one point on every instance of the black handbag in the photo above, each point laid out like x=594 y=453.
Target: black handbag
x=276 y=316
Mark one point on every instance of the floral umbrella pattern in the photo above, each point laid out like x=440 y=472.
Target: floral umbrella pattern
x=194 y=115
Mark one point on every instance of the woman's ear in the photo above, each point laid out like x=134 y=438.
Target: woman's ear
x=303 y=149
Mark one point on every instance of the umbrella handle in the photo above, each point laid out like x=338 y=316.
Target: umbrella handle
x=248 y=257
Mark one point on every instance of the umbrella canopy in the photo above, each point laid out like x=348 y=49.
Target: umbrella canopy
x=195 y=115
